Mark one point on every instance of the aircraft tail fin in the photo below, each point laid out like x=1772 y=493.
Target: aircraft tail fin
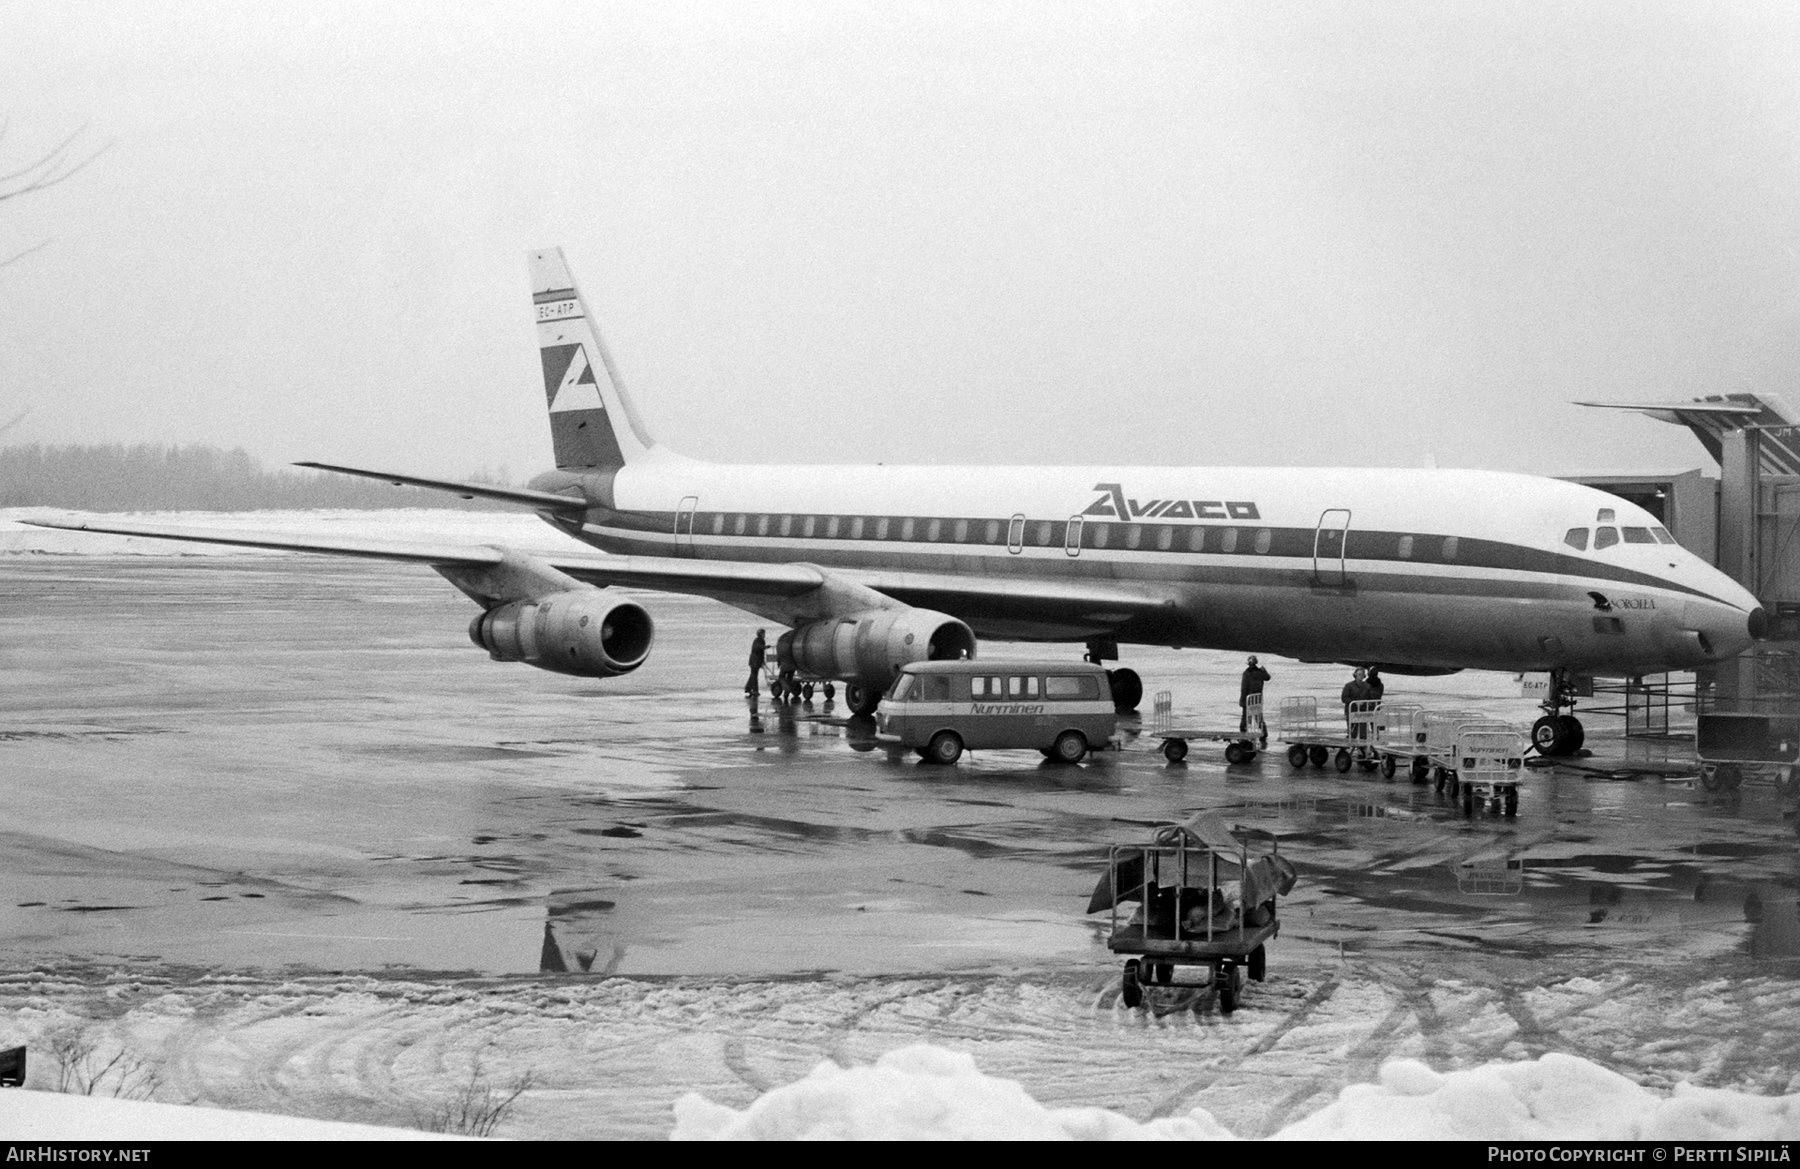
x=592 y=421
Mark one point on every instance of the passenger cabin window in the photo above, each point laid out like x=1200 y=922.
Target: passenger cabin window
x=787 y=525
x=1228 y=540
x=907 y=526
x=1605 y=516
x=1134 y=535
x=762 y=525
x=1449 y=547
x=1264 y=537
x=1406 y=543
x=1100 y=534
x=993 y=531
x=1662 y=536
x=962 y=531
x=1605 y=537
x=1637 y=535
x=856 y=528
x=1165 y=536
x=719 y=524
x=933 y=530
x=1044 y=530
x=831 y=528
x=881 y=528
x=987 y=687
x=738 y=526
x=1072 y=689
x=1196 y=538
x=933 y=688
x=1576 y=539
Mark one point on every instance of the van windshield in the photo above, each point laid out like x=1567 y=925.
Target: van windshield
x=902 y=685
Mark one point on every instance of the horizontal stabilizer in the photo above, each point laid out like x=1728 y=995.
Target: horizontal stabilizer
x=519 y=496
x=420 y=553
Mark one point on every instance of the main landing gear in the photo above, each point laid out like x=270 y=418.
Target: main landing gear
x=1559 y=731
x=1127 y=687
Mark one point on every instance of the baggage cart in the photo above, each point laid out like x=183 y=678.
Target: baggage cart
x=1400 y=736
x=1240 y=746
x=1489 y=765
x=1736 y=747
x=1205 y=911
x=1309 y=742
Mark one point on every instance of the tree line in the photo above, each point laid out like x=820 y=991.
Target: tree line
x=158 y=477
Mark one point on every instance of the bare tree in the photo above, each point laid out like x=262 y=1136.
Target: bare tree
x=83 y=1068
x=61 y=163
x=477 y=1108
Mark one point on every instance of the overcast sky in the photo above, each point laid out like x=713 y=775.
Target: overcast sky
x=1315 y=233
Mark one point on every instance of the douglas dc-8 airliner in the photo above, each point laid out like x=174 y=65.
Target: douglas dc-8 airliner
x=1418 y=571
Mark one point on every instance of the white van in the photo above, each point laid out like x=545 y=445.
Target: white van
x=942 y=708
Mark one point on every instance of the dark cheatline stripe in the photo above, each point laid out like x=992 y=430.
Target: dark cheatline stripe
x=1285 y=544
x=553 y=295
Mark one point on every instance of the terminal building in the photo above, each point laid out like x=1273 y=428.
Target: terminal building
x=1746 y=521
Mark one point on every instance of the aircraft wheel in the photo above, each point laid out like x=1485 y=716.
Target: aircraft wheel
x=946 y=747
x=1389 y=765
x=1550 y=735
x=1070 y=747
x=830 y=691
x=1343 y=759
x=861 y=699
x=1130 y=990
x=806 y=692
x=1296 y=756
x=1127 y=689
x=1174 y=750
x=1318 y=755
x=1574 y=731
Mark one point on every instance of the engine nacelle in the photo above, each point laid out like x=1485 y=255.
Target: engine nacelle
x=580 y=633
x=870 y=647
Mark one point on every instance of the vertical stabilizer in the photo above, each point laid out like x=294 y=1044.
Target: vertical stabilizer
x=592 y=421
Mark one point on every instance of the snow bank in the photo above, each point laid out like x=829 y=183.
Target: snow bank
x=50 y=1116
x=918 y=1093
x=927 y=1093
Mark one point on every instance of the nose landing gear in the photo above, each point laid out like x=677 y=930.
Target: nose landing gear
x=1558 y=732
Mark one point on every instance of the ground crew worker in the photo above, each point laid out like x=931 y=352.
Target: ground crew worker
x=759 y=649
x=1251 y=683
x=786 y=689
x=1356 y=690
x=1376 y=686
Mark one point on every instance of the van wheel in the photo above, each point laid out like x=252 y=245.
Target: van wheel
x=946 y=747
x=1070 y=747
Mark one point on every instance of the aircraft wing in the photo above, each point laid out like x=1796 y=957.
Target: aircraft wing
x=974 y=598
x=519 y=496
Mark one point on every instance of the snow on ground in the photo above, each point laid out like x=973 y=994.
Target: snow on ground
x=52 y=1116
x=518 y=529
x=925 y=1092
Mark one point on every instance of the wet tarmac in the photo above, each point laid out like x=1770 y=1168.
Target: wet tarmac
x=287 y=769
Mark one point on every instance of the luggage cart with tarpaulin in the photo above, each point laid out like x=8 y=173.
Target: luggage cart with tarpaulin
x=1205 y=908
x=1736 y=747
x=1240 y=746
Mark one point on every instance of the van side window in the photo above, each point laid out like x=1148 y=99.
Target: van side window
x=1025 y=686
x=987 y=687
x=1605 y=538
x=1071 y=688
x=936 y=688
x=1576 y=539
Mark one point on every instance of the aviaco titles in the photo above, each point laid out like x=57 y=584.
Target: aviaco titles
x=872 y=567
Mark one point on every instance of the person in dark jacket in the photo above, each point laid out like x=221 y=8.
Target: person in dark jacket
x=759 y=650
x=1251 y=683
x=1356 y=690
x=1376 y=686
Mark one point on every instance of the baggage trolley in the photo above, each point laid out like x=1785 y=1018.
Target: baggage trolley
x=1489 y=764
x=1400 y=735
x=1736 y=747
x=1191 y=916
x=1308 y=742
x=1240 y=746
x=1441 y=730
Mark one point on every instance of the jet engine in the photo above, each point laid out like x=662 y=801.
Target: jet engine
x=870 y=647
x=582 y=633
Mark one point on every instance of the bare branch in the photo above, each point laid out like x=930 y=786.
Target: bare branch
x=21 y=255
x=55 y=166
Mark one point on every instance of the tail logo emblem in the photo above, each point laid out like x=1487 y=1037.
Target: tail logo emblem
x=569 y=379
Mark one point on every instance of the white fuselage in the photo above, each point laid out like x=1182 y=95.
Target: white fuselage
x=1429 y=569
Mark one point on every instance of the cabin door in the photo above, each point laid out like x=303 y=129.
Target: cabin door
x=1328 y=548
x=684 y=526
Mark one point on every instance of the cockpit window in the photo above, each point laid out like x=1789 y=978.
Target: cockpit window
x=1576 y=539
x=1662 y=535
x=1638 y=536
x=1605 y=537
x=1605 y=516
